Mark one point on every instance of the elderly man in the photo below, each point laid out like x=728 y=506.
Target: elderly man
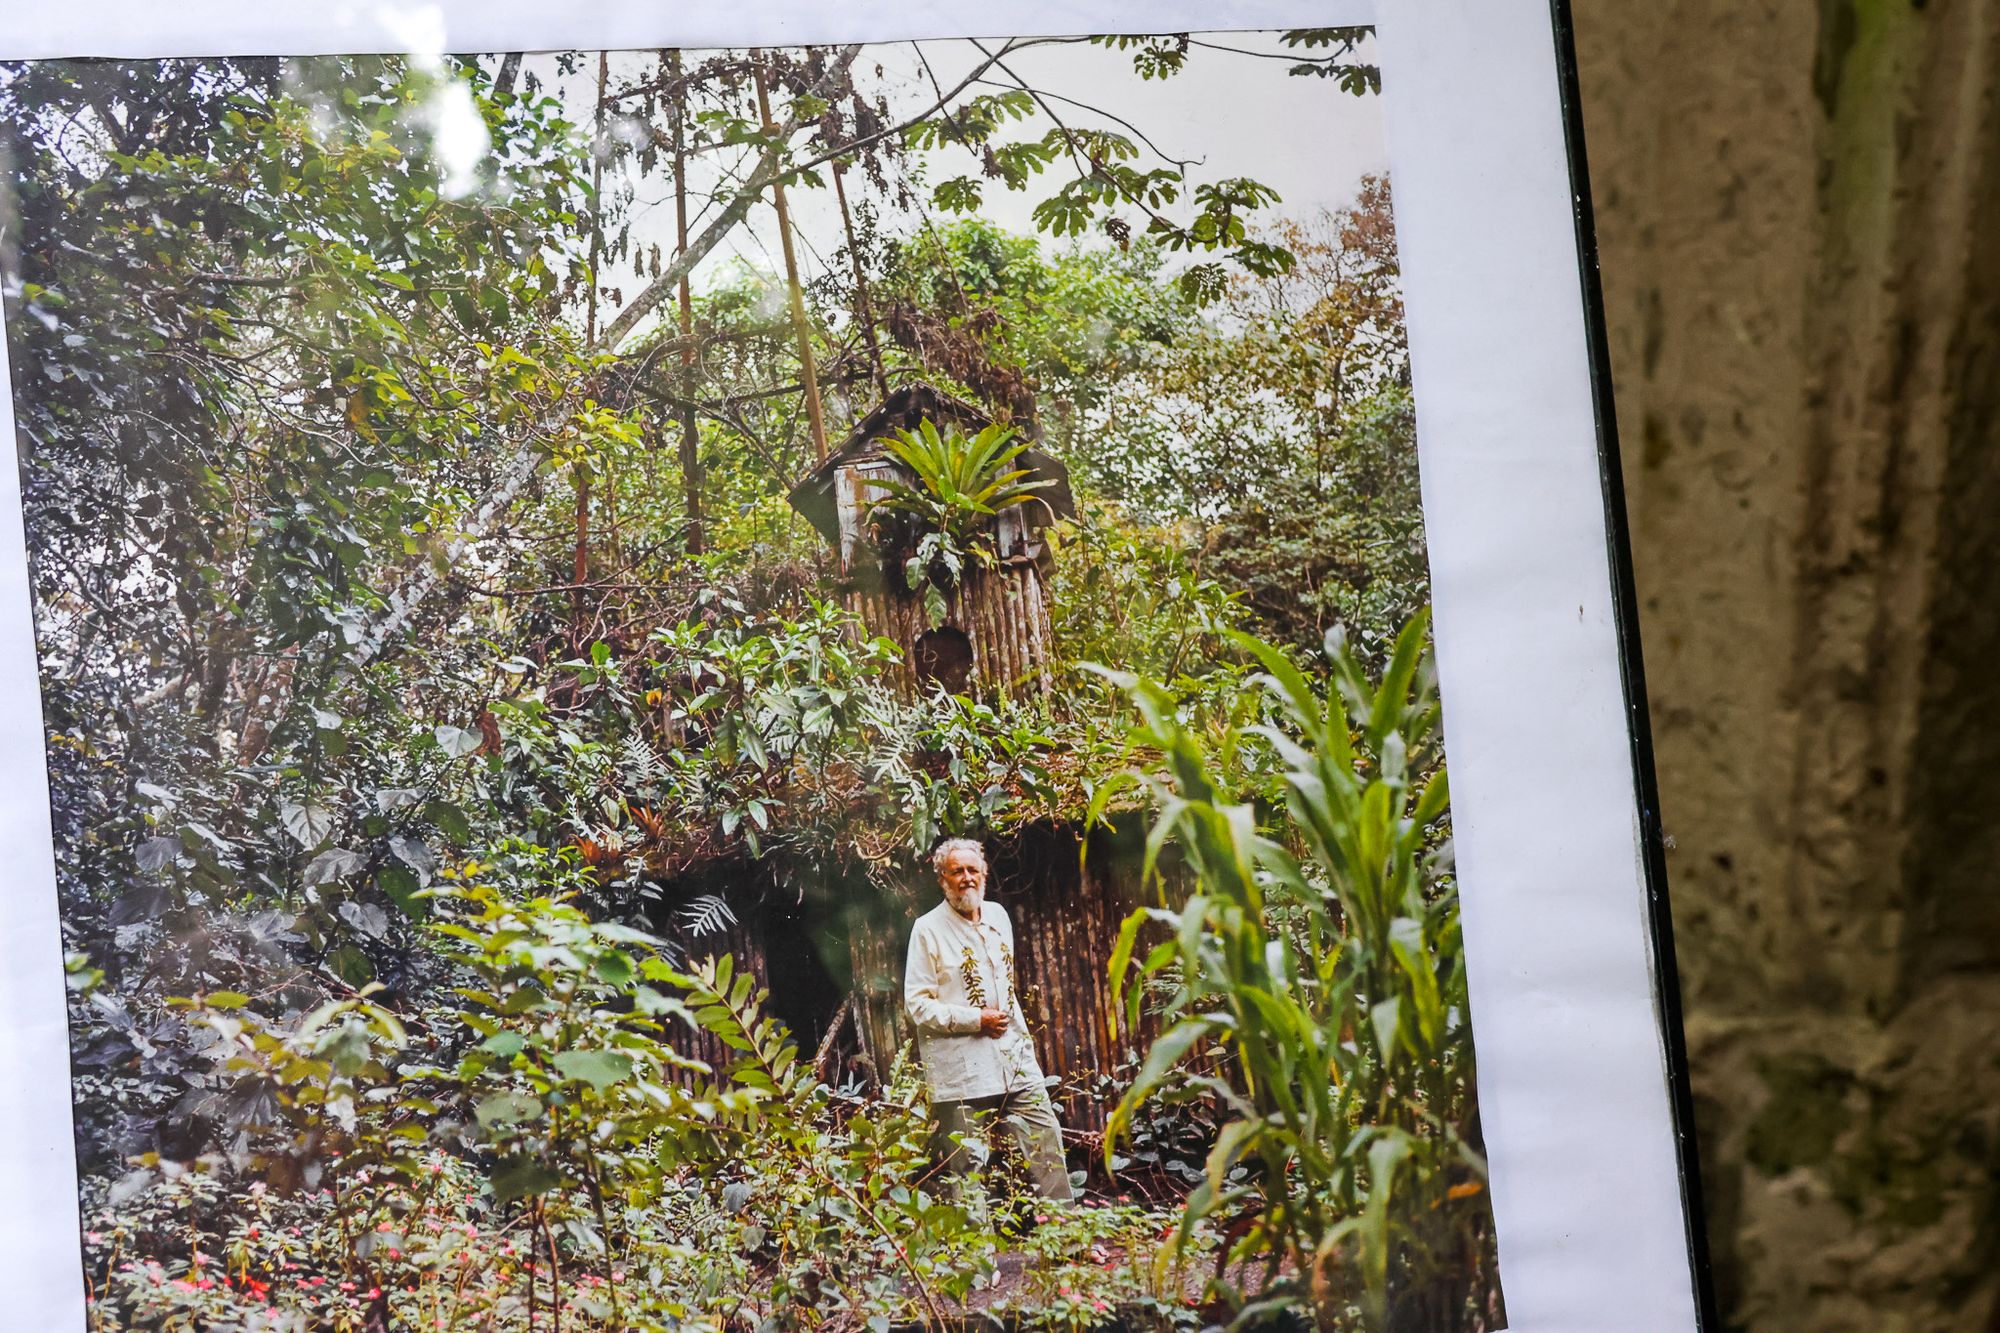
x=958 y=989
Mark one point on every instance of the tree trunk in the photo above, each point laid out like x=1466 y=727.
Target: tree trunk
x=808 y=371
x=690 y=448
x=1797 y=209
x=864 y=309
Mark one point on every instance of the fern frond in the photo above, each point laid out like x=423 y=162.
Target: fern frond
x=708 y=914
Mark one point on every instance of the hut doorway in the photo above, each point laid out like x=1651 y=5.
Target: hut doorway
x=943 y=656
x=805 y=961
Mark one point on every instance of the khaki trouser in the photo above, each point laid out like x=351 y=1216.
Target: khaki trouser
x=1026 y=1114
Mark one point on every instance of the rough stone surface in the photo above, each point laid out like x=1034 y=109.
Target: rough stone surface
x=1799 y=223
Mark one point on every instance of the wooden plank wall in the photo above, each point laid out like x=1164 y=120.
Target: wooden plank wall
x=1003 y=611
x=1065 y=923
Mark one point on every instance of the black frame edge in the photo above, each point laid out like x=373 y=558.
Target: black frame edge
x=1632 y=673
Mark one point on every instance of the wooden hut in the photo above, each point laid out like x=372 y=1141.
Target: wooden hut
x=995 y=634
x=831 y=951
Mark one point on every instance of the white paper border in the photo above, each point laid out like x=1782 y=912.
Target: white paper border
x=41 y=1250
x=290 y=27
x=1572 y=1061
x=1572 y=1066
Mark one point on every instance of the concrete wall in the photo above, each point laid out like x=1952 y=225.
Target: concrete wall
x=1799 y=216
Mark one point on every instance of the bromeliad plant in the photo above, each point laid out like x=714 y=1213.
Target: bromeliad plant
x=945 y=521
x=1317 y=988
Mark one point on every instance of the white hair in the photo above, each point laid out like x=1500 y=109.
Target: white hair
x=944 y=851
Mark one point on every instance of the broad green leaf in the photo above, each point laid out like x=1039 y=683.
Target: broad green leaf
x=1383 y=1016
x=457 y=742
x=507 y=1108
x=308 y=822
x=333 y=864
x=156 y=854
x=391 y=799
x=600 y=1069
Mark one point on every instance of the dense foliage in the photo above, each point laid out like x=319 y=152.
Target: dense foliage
x=428 y=646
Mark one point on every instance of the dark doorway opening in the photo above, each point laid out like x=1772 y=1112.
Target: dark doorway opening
x=943 y=656
x=806 y=960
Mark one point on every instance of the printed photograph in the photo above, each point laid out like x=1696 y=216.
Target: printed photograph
x=741 y=690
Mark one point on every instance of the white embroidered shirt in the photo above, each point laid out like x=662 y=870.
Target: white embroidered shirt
x=955 y=969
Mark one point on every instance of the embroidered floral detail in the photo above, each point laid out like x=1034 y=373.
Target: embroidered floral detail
x=1007 y=954
x=975 y=985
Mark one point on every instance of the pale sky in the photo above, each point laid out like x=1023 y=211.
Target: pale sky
x=1231 y=114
